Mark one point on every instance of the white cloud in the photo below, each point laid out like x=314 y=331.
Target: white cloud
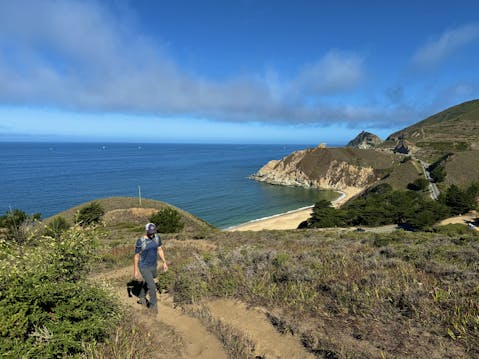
x=76 y=55
x=335 y=72
x=449 y=42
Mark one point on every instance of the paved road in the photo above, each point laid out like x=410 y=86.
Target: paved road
x=434 y=191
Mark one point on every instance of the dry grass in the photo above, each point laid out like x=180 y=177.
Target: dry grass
x=348 y=294
x=345 y=294
x=237 y=345
x=136 y=337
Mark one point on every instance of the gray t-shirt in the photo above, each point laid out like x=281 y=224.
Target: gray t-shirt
x=149 y=257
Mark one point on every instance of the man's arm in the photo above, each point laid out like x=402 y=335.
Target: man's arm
x=161 y=254
x=136 y=271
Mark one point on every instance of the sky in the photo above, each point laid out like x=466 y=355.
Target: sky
x=242 y=71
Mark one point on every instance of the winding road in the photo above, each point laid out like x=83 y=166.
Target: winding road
x=433 y=190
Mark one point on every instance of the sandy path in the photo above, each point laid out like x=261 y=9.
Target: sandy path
x=254 y=324
x=198 y=343
x=292 y=219
x=466 y=218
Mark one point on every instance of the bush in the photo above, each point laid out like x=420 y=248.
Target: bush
x=167 y=220
x=419 y=184
x=17 y=222
x=47 y=309
x=438 y=174
x=460 y=201
x=89 y=214
x=56 y=227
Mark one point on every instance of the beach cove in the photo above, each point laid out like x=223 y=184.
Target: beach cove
x=290 y=219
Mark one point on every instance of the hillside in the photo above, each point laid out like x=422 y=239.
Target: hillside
x=331 y=168
x=125 y=212
x=365 y=140
x=333 y=293
x=296 y=294
x=452 y=134
x=455 y=129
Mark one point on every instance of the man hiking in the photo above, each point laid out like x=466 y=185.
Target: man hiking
x=147 y=250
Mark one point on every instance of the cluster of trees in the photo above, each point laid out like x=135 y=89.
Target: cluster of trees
x=382 y=206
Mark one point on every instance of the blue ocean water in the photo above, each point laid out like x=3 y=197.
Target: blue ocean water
x=209 y=181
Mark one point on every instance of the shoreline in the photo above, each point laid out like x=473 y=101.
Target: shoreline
x=290 y=219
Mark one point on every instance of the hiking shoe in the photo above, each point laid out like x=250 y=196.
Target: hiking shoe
x=142 y=301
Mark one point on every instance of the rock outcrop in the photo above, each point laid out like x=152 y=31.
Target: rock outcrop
x=404 y=146
x=365 y=140
x=318 y=168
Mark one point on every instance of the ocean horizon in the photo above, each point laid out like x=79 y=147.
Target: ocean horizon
x=209 y=181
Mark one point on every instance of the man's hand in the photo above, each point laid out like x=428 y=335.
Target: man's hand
x=165 y=267
x=137 y=275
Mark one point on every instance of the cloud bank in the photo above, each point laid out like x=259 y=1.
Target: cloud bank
x=450 y=41
x=78 y=56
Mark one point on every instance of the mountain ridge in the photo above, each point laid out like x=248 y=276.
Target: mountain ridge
x=452 y=132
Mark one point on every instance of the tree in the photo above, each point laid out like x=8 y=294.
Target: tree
x=420 y=184
x=167 y=220
x=460 y=201
x=438 y=174
x=325 y=216
x=89 y=214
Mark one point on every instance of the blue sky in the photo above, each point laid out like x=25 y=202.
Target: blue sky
x=239 y=71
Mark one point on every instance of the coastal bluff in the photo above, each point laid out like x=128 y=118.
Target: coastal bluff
x=328 y=168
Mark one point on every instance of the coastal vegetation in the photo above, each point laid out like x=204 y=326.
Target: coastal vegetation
x=47 y=308
x=167 y=220
x=343 y=294
x=340 y=292
x=381 y=205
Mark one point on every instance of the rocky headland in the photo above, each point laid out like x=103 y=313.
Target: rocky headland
x=340 y=169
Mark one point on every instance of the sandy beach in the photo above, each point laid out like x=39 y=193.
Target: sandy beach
x=291 y=219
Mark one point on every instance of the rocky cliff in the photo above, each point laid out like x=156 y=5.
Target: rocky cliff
x=326 y=168
x=365 y=140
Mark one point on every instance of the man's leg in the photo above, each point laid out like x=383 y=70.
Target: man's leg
x=148 y=274
x=142 y=294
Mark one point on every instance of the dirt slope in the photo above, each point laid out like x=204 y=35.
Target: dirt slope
x=254 y=324
x=189 y=338
x=196 y=341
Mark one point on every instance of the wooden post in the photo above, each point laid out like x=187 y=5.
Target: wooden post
x=139 y=195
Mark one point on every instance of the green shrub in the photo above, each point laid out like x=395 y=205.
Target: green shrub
x=17 y=222
x=56 y=227
x=167 y=220
x=460 y=201
x=420 y=184
x=438 y=174
x=454 y=229
x=47 y=309
x=89 y=214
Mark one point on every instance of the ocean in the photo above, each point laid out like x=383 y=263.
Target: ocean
x=209 y=181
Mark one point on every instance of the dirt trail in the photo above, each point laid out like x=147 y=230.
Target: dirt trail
x=192 y=339
x=197 y=342
x=254 y=324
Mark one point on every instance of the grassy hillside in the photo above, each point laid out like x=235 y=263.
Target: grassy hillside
x=345 y=294
x=401 y=175
x=360 y=295
x=455 y=129
x=317 y=161
x=462 y=168
x=125 y=212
